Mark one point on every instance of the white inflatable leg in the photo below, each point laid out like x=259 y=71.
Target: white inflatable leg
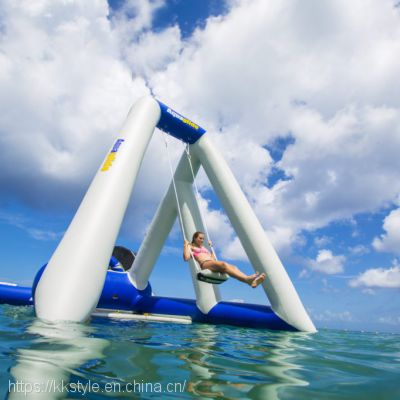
x=278 y=287
x=71 y=284
x=159 y=229
x=153 y=242
x=207 y=295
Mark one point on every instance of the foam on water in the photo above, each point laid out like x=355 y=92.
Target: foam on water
x=206 y=361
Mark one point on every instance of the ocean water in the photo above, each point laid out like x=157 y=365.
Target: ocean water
x=126 y=359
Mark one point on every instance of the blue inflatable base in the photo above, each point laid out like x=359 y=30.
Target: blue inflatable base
x=119 y=294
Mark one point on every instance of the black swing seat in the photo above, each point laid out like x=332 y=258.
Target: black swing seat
x=211 y=277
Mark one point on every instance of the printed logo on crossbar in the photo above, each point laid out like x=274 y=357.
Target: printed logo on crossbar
x=183 y=119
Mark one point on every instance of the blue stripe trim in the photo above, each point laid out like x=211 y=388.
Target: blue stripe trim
x=179 y=126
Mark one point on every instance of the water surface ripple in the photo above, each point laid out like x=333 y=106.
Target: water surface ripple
x=212 y=362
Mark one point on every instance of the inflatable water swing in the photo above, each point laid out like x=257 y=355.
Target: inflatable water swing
x=87 y=275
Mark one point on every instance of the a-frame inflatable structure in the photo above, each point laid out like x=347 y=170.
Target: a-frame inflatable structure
x=76 y=279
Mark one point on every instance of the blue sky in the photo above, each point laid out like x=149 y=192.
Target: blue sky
x=311 y=134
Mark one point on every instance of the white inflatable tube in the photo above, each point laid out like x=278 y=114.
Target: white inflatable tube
x=206 y=295
x=278 y=287
x=158 y=230
x=71 y=284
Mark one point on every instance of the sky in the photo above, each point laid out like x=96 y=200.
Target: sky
x=300 y=97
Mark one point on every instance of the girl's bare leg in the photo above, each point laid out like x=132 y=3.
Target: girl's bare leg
x=231 y=270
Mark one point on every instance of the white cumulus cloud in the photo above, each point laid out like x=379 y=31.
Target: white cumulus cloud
x=69 y=72
x=327 y=263
x=275 y=69
x=378 y=278
x=390 y=240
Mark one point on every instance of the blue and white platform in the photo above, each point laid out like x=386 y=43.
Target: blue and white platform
x=119 y=298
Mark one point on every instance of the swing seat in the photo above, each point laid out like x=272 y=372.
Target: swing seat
x=211 y=277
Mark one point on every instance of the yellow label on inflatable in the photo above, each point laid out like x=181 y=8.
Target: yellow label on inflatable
x=112 y=155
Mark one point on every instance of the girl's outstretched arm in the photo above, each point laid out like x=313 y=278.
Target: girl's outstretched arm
x=212 y=250
x=186 y=250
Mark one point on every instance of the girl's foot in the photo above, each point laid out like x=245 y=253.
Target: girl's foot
x=250 y=278
x=259 y=279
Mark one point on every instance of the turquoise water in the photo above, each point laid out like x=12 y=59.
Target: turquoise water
x=106 y=358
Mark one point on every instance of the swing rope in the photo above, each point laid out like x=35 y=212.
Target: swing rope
x=203 y=220
x=178 y=203
x=174 y=185
x=202 y=275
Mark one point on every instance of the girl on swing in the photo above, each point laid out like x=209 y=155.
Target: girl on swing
x=207 y=260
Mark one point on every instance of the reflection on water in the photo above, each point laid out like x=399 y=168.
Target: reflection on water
x=214 y=362
x=280 y=365
x=231 y=365
x=44 y=368
x=143 y=352
x=203 y=379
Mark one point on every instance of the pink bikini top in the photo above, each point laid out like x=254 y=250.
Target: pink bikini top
x=202 y=250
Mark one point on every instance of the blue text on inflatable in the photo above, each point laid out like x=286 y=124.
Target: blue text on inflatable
x=179 y=126
x=111 y=155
